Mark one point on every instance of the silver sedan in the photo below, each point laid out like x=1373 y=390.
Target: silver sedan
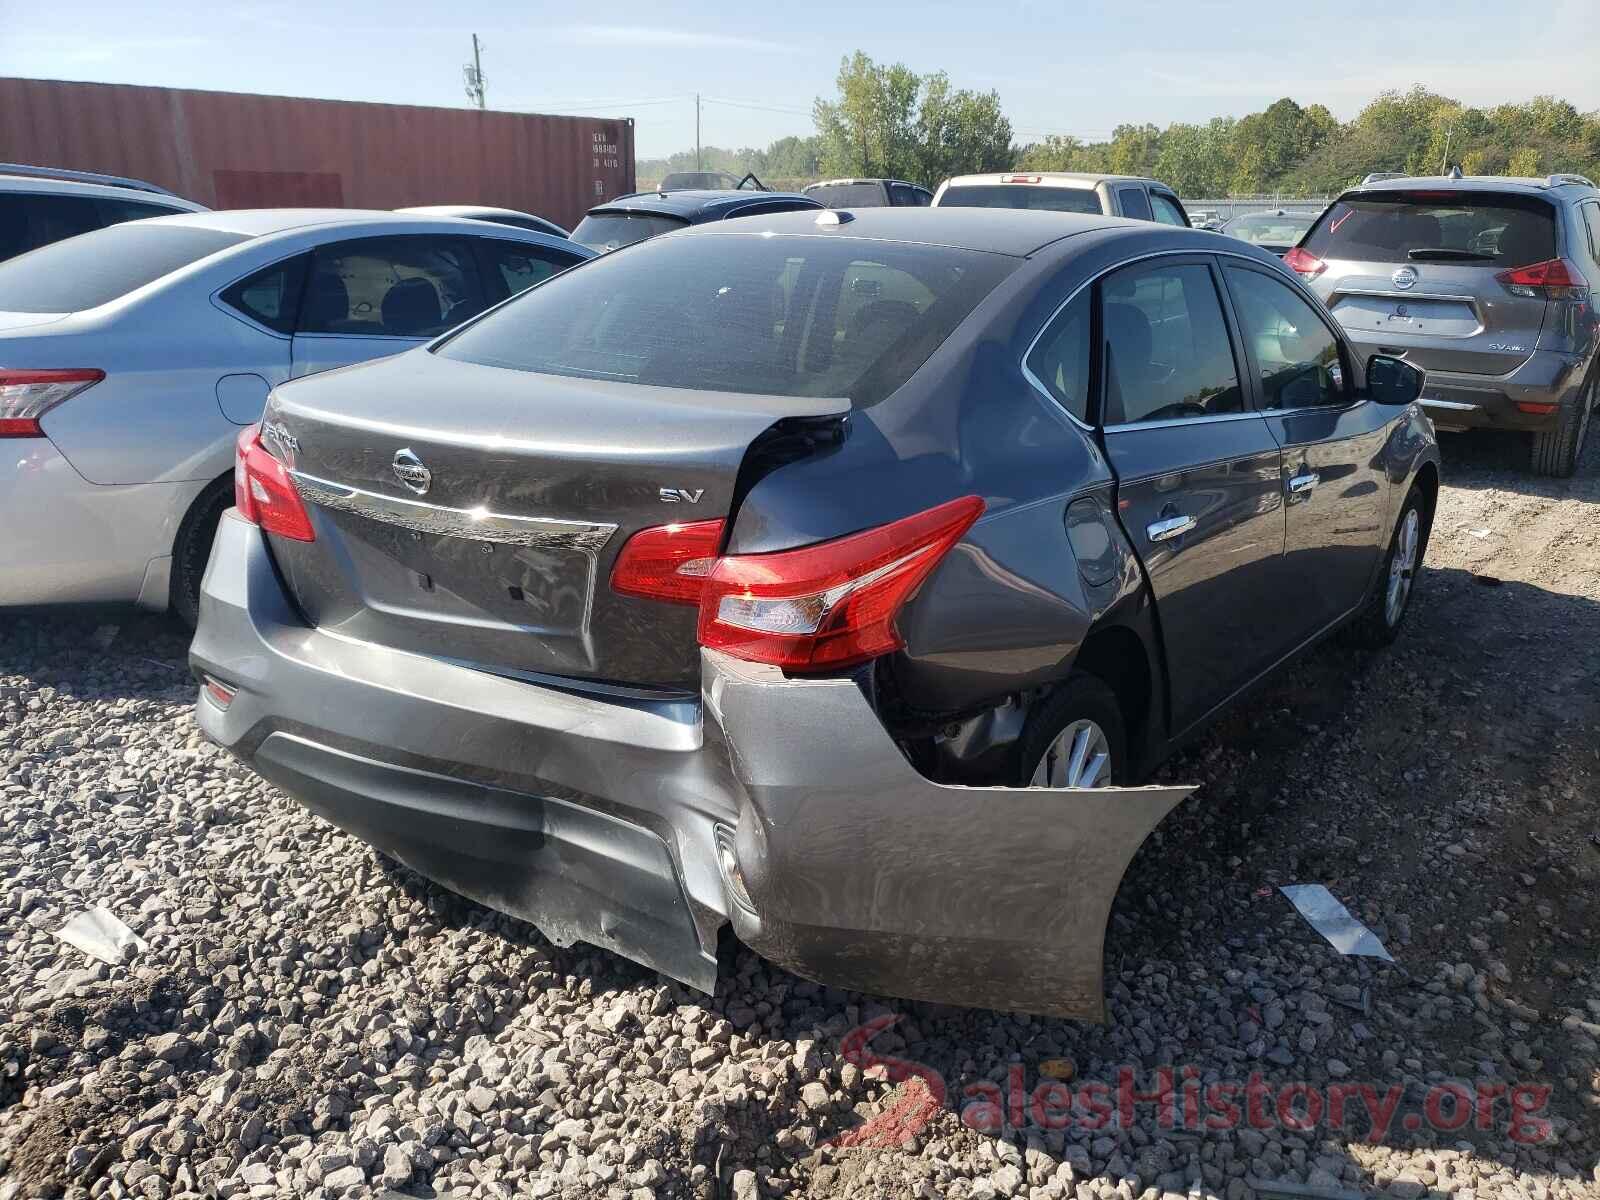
x=131 y=357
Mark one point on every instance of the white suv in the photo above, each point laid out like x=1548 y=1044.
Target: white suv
x=1066 y=191
x=40 y=205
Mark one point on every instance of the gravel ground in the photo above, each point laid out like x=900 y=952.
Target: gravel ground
x=308 y=1020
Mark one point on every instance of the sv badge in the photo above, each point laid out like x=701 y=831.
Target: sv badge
x=681 y=495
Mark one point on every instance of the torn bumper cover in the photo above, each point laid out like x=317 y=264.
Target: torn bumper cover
x=643 y=825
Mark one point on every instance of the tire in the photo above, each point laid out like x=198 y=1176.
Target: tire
x=1083 y=698
x=1556 y=452
x=1380 y=620
x=192 y=549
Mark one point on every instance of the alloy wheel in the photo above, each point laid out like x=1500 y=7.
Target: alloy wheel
x=1402 y=567
x=1078 y=757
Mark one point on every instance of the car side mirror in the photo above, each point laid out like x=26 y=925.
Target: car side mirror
x=1393 y=381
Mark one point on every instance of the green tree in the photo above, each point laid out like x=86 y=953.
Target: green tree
x=890 y=121
x=1523 y=161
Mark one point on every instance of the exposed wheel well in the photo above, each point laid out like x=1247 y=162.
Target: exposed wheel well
x=1116 y=655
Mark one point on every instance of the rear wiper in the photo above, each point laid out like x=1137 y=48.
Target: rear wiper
x=1445 y=254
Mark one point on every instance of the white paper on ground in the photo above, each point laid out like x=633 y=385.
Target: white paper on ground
x=1333 y=921
x=99 y=934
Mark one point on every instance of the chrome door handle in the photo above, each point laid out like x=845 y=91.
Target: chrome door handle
x=1302 y=485
x=1169 y=528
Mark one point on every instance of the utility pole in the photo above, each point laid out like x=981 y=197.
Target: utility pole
x=697 y=131
x=473 y=72
x=1444 y=166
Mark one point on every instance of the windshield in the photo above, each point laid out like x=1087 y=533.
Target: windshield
x=786 y=316
x=95 y=268
x=1477 y=228
x=1011 y=195
x=1270 y=229
x=849 y=195
x=613 y=230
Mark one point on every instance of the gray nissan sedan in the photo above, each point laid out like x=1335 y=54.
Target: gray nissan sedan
x=830 y=576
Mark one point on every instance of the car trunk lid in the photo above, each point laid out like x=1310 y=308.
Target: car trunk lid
x=1415 y=273
x=474 y=512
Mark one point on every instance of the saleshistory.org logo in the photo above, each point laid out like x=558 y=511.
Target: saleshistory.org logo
x=1181 y=1099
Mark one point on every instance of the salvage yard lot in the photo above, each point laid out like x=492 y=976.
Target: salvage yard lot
x=310 y=1020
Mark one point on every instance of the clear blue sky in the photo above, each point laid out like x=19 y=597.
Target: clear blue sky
x=1059 y=66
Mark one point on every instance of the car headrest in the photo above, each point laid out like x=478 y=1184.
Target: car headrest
x=1132 y=343
x=411 y=308
x=327 y=301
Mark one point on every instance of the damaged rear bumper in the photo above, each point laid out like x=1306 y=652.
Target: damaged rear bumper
x=643 y=825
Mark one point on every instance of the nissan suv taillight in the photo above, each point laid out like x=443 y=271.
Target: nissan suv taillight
x=25 y=396
x=263 y=492
x=1552 y=279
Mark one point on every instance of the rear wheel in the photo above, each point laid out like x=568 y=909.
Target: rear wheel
x=1077 y=739
x=1556 y=452
x=1380 y=621
x=192 y=549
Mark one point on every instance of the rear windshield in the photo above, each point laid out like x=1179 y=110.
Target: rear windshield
x=1270 y=229
x=1484 y=228
x=95 y=268
x=849 y=195
x=1011 y=195
x=611 y=231
x=785 y=316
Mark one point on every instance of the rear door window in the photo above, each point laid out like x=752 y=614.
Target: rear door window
x=1012 y=195
x=1167 y=210
x=28 y=221
x=1168 y=355
x=781 y=315
x=903 y=195
x=96 y=267
x=1472 y=228
x=392 y=287
x=514 y=267
x=1135 y=203
x=114 y=211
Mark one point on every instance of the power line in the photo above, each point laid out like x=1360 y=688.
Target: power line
x=801 y=112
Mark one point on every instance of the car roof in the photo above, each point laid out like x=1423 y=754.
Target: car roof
x=1016 y=232
x=870 y=179
x=42 y=185
x=1070 y=179
x=1516 y=184
x=260 y=222
x=468 y=210
x=697 y=203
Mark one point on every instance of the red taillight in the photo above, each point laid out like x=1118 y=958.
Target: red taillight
x=1536 y=409
x=263 y=492
x=1552 y=279
x=833 y=604
x=25 y=396
x=669 y=562
x=1023 y=179
x=1304 y=263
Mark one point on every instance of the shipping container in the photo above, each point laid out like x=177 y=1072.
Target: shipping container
x=230 y=150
